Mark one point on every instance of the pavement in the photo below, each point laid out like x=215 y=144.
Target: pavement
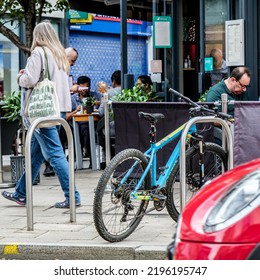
x=55 y=237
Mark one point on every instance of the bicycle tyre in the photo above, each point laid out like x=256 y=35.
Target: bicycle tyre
x=116 y=215
x=211 y=171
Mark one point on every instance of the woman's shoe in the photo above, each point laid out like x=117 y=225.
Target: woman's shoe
x=65 y=204
x=15 y=198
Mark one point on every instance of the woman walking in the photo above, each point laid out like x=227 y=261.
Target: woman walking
x=45 y=142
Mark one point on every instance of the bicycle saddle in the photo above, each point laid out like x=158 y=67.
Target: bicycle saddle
x=151 y=117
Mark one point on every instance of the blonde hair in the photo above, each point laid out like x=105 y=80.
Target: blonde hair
x=217 y=57
x=44 y=35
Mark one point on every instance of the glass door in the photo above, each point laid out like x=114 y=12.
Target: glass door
x=215 y=69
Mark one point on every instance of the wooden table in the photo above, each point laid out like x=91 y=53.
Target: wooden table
x=90 y=118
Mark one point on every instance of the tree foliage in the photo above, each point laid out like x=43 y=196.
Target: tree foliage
x=29 y=12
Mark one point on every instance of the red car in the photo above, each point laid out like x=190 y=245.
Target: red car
x=222 y=222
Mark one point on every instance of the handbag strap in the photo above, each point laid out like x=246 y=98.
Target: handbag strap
x=47 y=72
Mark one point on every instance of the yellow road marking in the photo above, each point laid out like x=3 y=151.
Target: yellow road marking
x=11 y=250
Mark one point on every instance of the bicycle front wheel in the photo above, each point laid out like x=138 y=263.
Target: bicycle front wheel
x=215 y=164
x=116 y=214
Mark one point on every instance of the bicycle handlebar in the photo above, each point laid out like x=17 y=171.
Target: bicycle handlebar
x=184 y=97
x=201 y=107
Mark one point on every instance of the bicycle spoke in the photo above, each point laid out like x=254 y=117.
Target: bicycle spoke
x=116 y=212
x=215 y=163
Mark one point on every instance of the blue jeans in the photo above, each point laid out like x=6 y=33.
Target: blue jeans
x=46 y=145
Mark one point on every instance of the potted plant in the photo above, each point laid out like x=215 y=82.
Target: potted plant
x=89 y=103
x=135 y=94
x=11 y=105
x=10 y=122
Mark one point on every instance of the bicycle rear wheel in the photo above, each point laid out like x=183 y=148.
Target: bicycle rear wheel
x=116 y=214
x=215 y=164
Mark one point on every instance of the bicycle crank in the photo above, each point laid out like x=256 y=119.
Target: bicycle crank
x=159 y=199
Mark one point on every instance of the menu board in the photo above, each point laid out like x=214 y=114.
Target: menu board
x=235 y=43
x=162 y=32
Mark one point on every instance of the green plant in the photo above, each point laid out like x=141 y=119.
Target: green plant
x=203 y=96
x=12 y=105
x=89 y=101
x=135 y=94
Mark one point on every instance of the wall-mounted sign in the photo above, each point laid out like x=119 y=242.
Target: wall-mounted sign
x=71 y=14
x=235 y=43
x=156 y=66
x=162 y=31
x=89 y=19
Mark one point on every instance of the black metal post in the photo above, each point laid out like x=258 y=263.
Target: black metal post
x=123 y=38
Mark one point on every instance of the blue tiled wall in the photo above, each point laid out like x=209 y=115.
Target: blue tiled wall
x=99 y=56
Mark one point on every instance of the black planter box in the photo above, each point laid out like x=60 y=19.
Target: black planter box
x=18 y=168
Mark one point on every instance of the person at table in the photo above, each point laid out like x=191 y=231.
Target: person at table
x=114 y=90
x=235 y=86
x=84 y=91
x=145 y=84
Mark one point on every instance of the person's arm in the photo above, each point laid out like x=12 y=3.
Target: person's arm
x=29 y=77
x=69 y=114
x=74 y=88
x=75 y=107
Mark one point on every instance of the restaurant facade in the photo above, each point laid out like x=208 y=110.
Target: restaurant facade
x=171 y=40
x=184 y=34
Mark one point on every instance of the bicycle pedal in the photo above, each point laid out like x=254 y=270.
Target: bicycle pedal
x=143 y=197
x=159 y=197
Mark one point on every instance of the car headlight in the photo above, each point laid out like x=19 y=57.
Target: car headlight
x=236 y=203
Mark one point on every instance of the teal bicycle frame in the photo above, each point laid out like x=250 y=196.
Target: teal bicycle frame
x=152 y=163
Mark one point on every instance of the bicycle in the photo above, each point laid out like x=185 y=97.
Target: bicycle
x=131 y=181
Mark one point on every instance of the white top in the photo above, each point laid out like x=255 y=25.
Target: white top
x=33 y=73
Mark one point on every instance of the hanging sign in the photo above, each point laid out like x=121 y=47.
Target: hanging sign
x=235 y=42
x=162 y=31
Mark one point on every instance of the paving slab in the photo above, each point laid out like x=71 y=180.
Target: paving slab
x=55 y=237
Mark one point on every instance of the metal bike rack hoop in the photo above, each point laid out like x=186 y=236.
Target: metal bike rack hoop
x=183 y=149
x=107 y=132
x=28 y=173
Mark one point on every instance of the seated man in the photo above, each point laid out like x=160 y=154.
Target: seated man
x=84 y=83
x=235 y=86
